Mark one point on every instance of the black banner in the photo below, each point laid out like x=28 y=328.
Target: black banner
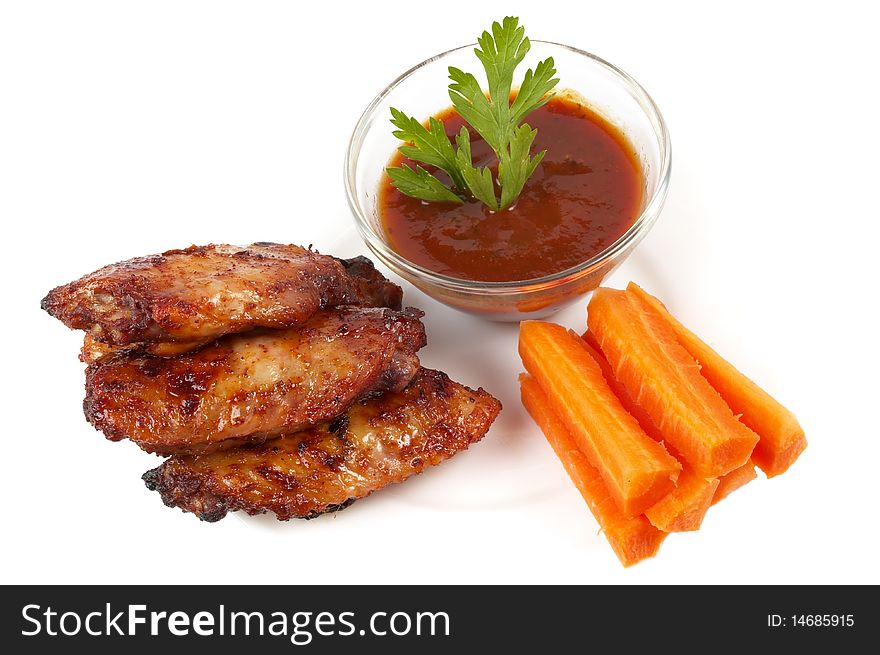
x=435 y=619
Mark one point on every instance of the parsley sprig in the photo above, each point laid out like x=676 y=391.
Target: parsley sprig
x=492 y=116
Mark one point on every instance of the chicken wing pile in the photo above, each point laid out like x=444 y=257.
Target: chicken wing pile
x=274 y=378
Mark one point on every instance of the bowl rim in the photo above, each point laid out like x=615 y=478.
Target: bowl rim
x=649 y=214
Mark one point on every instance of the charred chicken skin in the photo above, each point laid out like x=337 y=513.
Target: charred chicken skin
x=255 y=385
x=325 y=468
x=198 y=294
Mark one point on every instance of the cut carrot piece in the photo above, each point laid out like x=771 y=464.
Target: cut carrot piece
x=782 y=438
x=632 y=539
x=683 y=509
x=665 y=381
x=591 y=341
x=737 y=478
x=620 y=391
x=636 y=469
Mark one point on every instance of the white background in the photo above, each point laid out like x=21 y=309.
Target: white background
x=130 y=128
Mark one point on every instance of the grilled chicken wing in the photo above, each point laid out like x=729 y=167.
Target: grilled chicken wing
x=326 y=468
x=255 y=385
x=203 y=292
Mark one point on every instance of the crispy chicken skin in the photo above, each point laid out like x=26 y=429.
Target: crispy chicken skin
x=203 y=292
x=327 y=467
x=96 y=351
x=255 y=385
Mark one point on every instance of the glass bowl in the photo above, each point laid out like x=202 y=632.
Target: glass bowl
x=422 y=92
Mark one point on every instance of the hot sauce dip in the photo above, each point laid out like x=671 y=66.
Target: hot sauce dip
x=584 y=195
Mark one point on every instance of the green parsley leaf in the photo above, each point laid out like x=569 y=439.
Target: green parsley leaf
x=419 y=183
x=472 y=104
x=516 y=166
x=534 y=92
x=502 y=51
x=493 y=117
x=429 y=145
x=479 y=180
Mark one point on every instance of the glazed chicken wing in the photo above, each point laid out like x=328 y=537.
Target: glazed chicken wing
x=255 y=385
x=203 y=292
x=325 y=468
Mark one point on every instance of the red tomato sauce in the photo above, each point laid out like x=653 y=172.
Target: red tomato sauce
x=584 y=195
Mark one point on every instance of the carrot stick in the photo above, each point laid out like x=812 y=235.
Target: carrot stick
x=636 y=469
x=632 y=539
x=665 y=381
x=737 y=478
x=782 y=438
x=591 y=341
x=620 y=391
x=683 y=509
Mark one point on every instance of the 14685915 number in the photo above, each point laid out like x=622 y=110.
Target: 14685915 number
x=822 y=620
x=811 y=621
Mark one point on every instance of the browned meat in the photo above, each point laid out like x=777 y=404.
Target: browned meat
x=203 y=292
x=254 y=385
x=326 y=468
x=369 y=287
x=96 y=351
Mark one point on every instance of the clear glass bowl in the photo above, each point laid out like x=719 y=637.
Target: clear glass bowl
x=422 y=92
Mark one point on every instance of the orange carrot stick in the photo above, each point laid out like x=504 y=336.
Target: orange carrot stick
x=737 y=478
x=632 y=539
x=591 y=341
x=620 y=391
x=683 y=509
x=636 y=469
x=665 y=381
x=782 y=438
